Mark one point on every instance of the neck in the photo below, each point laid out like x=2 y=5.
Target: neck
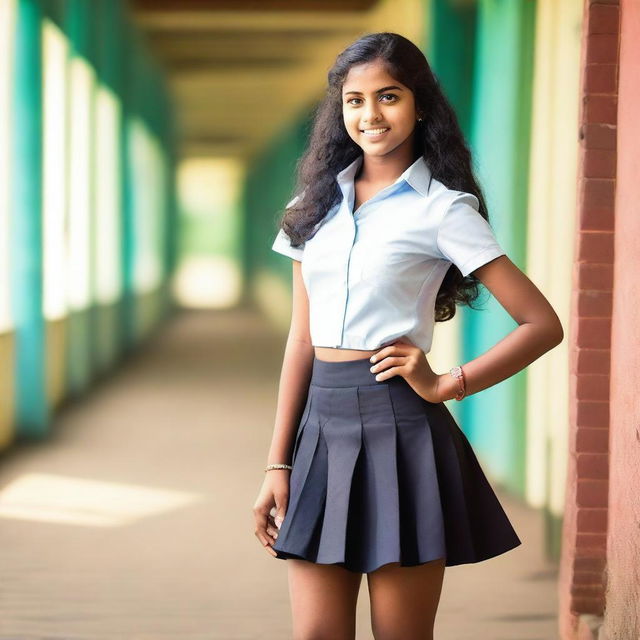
x=386 y=168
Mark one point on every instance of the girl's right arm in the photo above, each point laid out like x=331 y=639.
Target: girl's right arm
x=295 y=374
x=292 y=395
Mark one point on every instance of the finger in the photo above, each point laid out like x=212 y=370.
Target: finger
x=390 y=350
x=262 y=522
x=264 y=537
x=261 y=519
x=266 y=544
x=268 y=535
x=389 y=361
x=388 y=373
x=376 y=357
x=277 y=518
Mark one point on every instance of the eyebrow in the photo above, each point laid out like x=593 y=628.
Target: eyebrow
x=393 y=86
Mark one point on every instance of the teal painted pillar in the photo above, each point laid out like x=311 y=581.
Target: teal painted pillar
x=170 y=197
x=32 y=411
x=134 y=75
x=269 y=182
x=450 y=52
x=108 y=61
x=80 y=358
x=500 y=137
x=127 y=81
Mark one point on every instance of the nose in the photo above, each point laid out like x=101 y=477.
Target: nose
x=372 y=112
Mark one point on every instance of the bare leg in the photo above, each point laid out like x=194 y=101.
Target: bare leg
x=323 y=600
x=404 y=600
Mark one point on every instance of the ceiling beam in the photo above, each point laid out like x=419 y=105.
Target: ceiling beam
x=253 y=6
x=255 y=21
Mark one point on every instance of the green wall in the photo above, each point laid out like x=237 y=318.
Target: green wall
x=60 y=359
x=482 y=54
x=270 y=179
x=26 y=222
x=500 y=137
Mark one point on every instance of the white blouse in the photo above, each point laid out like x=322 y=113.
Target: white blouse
x=372 y=275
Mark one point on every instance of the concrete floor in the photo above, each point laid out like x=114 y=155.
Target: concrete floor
x=133 y=520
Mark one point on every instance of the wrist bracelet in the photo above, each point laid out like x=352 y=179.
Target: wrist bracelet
x=458 y=374
x=277 y=466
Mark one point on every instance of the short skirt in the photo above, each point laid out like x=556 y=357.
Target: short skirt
x=382 y=475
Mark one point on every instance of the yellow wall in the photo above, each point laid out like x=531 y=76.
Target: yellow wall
x=551 y=233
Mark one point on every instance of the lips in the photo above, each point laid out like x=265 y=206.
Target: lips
x=374 y=132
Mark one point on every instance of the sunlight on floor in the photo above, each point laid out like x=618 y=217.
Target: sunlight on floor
x=91 y=503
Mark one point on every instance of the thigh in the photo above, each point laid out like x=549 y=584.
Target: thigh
x=404 y=600
x=323 y=600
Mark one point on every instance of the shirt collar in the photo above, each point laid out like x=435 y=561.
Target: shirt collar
x=417 y=175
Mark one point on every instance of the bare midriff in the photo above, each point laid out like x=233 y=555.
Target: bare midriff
x=331 y=354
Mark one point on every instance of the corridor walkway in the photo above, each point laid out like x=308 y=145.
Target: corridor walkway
x=133 y=521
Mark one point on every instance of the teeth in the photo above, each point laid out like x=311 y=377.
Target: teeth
x=374 y=132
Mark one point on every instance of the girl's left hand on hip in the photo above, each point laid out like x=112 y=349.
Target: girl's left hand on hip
x=403 y=358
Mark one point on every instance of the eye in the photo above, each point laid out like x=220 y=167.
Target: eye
x=388 y=95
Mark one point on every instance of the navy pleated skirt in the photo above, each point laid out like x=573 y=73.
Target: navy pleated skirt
x=382 y=475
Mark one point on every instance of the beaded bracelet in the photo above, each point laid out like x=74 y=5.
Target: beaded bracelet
x=277 y=466
x=458 y=374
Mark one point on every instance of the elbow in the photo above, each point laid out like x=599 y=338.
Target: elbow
x=549 y=334
x=556 y=334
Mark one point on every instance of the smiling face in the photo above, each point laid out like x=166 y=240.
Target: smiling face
x=379 y=112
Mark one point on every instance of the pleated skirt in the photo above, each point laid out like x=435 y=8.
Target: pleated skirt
x=382 y=475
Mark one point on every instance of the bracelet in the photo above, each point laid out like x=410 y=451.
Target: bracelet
x=277 y=466
x=458 y=374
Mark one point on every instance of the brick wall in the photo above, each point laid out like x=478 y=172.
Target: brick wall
x=583 y=563
x=622 y=606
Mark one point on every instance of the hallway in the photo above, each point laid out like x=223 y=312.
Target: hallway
x=131 y=520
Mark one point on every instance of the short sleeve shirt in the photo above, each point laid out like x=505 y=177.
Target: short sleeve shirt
x=372 y=275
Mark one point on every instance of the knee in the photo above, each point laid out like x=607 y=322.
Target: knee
x=403 y=628
x=395 y=634
x=327 y=628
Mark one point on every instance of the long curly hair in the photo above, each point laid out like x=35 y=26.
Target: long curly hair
x=438 y=138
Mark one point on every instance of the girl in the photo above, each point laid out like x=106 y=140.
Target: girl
x=368 y=472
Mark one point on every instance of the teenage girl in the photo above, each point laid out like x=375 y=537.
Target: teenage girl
x=368 y=472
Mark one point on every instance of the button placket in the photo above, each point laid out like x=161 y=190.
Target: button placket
x=349 y=199
x=345 y=281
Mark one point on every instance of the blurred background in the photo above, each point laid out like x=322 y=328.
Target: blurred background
x=147 y=149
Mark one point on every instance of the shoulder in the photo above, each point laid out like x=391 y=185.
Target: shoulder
x=440 y=199
x=450 y=203
x=458 y=215
x=447 y=197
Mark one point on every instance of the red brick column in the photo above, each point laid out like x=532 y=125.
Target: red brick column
x=583 y=563
x=622 y=612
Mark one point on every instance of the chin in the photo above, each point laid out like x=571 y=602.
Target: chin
x=382 y=149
